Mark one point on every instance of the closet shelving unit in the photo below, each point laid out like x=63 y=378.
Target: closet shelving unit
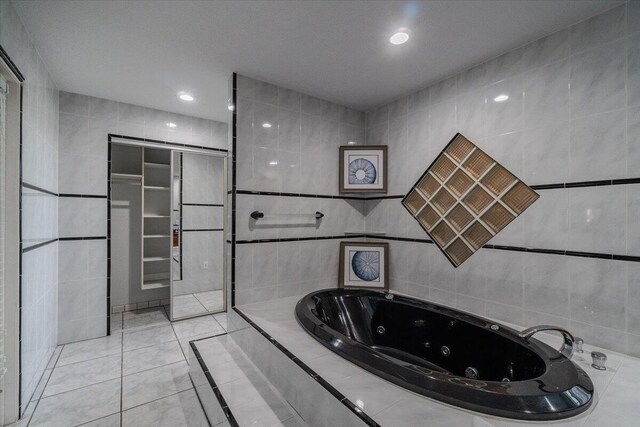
x=156 y=218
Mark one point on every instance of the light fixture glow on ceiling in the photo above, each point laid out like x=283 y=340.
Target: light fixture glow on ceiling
x=231 y=107
x=351 y=143
x=273 y=163
x=185 y=96
x=266 y=125
x=171 y=124
x=399 y=37
x=501 y=98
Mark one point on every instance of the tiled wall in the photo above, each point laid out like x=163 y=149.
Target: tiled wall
x=202 y=182
x=39 y=209
x=573 y=115
x=298 y=154
x=85 y=123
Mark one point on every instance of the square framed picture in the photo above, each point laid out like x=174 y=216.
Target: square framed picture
x=363 y=169
x=364 y=265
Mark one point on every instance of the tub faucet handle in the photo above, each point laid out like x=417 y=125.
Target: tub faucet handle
x=579 y=342
x=598 y=360
x=567 y=346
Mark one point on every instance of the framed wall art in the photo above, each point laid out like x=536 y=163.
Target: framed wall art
x=363 y=169
x=364 y=265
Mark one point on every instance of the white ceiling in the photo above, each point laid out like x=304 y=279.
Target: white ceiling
x=144 y=52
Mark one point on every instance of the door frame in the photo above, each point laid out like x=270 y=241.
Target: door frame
x=173 y=146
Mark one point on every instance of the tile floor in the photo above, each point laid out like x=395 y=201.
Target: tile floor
x=198 y=303
x=136 y=377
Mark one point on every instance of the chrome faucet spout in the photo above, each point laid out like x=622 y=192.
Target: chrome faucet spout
x=567 y=346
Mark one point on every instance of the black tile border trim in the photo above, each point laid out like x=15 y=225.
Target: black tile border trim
x=397 y=196
x=314 y=196
x=234 y=190
x=202 y=229
x=38 y=245
x=83 y=196
x=159 y=141
x=622 y=181
x=214 y=205
x=52 y=193
x=39 y=189
x=579 y=184
x=214 y=386
x=64 y=239
x=300 y=239
x=7 y=60
x=598 y=255
x=331 y=389
x=60 y=239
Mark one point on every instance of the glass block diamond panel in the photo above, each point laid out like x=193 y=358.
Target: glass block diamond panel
x=464 y=198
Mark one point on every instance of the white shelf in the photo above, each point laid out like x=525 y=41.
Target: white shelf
x=156 y=258
x=126 y=177
x=156 y=200
x=155 y=284
x=156 y=165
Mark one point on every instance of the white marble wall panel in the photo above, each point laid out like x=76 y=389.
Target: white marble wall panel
x=82 y=217
x=296 y=152
x=39 y=221
x=199 y=217
x=572 y=115
x=82 y=298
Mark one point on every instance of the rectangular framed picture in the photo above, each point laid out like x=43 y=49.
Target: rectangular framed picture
x=364 y=265
x=363 y=169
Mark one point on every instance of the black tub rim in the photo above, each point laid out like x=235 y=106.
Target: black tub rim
x=457 y=391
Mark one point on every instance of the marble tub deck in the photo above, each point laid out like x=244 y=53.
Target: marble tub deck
x=617 y=389
x=250 y=397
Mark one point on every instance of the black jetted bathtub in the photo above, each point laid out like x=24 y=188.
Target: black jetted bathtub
x=449 y=355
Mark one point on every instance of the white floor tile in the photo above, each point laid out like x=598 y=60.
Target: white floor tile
x=199 y=326
x=82 y=374
x=78 y=406
x=151 y=357
x=144 y=318
x=90 y=349
x=182 y=409
x=154 y=384
x=110 y=421
x=147 y=337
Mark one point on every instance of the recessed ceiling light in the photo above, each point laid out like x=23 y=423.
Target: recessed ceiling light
x=351 y=143
x=266 y=125
x=501 y=98
x=400 y=37
x=171 y=125
x=185 y=96
x=273 y=163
